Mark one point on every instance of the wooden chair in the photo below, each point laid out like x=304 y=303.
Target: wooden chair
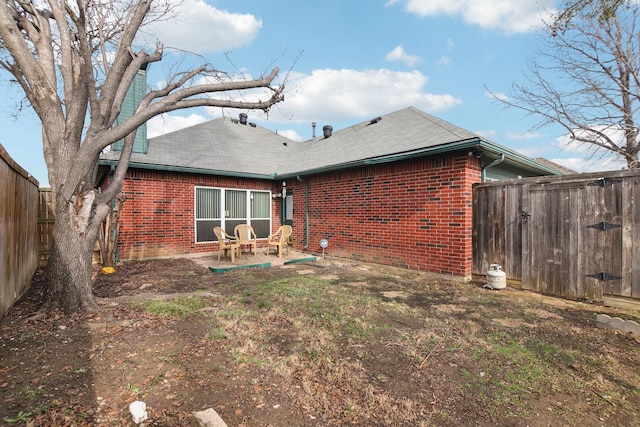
x=280 y=239
x=245 y=236
x=226 y=243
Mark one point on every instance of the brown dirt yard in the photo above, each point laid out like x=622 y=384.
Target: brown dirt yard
x=329 y=342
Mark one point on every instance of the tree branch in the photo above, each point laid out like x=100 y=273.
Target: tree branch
x=586 y=80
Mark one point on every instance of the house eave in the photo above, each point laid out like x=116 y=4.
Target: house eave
x=183 y=169
x=427 y=151
x=486 y=147
x=516 y=159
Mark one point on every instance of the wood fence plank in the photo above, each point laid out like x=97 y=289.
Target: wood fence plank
x=627 y=224
x=18 y=231
x=512 y=256
x=525 y=256
x=634 y=255
x=567 y=236
x=46 y=221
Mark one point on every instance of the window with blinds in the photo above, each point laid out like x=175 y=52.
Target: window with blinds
x=235 y=202
x=260 y=204
x=207 y=203
x=229 y=207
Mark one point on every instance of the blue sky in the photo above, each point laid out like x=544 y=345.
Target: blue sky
x=347 y=61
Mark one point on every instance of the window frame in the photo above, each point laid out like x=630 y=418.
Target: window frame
x=203 y=227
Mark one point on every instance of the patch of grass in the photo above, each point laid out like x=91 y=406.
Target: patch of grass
x=178 y=307
x=132 y=388
x=297 y=293
x=246 y=354
x=232 y=312
x=171 y=358
x=263 y=304
x=21 y=417
x=31 y=393
x=217 y=334
x=514 y=372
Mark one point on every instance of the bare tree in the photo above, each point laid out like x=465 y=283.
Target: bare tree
x=586 y=78
x=75 y=61
x=593 y=8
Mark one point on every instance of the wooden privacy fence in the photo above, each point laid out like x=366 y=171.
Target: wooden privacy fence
x=572 y=236
x=18 y=230
x=46 y=220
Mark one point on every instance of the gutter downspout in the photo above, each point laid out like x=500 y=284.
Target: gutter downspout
x=490 y=165
x=306 y=211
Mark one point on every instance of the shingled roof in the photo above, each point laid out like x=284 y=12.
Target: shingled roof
x=221 y=146
x=225 y=146
x=403 y=131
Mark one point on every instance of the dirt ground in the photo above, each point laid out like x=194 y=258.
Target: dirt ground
x=323 y=343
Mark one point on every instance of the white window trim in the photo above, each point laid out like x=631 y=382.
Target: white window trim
x=224 y=212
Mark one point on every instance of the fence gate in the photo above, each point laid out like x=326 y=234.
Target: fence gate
x=570 y=236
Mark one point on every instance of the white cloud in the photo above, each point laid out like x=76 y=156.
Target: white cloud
x=398 y=54
x=616 y=134
x=166 y=123
x=511 y=16
x=201 y=28
x=580 y=164
x=444 y=60
x=489 y=133
x=450 y=44
x=523 y=135
x=497 y=96
x=291 y=134
x=330 y=94
x=590 y=158
x=435 y=7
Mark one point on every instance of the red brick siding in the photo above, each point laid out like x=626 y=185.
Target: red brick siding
x=415 y=214
x=157 y=218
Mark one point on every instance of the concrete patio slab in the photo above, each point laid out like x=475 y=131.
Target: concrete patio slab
x=248 y=260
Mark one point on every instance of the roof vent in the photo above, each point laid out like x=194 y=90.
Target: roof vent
x=327 y=130
x=243 y=118
x=374 y=121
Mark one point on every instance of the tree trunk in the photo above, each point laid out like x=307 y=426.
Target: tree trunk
x=108 y=236
x=69 y=277
x=69 y=265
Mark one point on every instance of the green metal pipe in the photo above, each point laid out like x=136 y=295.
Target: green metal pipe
x=306 y=211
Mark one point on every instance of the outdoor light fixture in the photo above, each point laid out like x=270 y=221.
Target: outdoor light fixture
x=283 y=193
x=324 y=243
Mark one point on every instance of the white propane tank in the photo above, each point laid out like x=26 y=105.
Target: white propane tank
x=496 y=278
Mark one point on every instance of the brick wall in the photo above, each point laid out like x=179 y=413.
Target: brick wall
x=414 y=214
x=158 y=216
